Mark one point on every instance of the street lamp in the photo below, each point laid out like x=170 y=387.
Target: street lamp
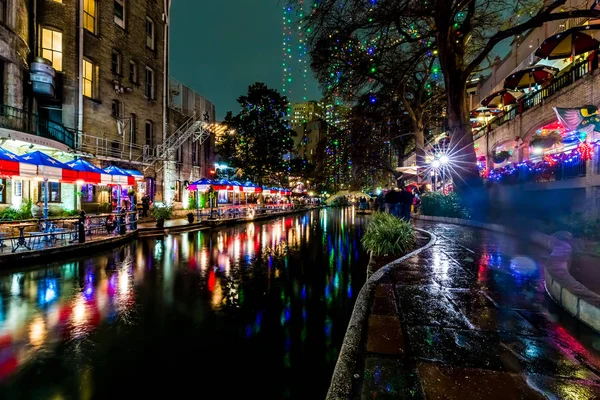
x=436 y=164
x=444 y=159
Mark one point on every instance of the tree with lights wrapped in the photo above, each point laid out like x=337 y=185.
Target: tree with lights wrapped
x=406 y=77
x=258 y=138
x=463 y=33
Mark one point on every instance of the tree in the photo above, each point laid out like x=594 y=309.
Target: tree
x=258 y=138
x=407 y=75
x=463 y=33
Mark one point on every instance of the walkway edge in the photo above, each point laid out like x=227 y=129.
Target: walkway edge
x=8 y=261
x=560 y=285
x=343 y=378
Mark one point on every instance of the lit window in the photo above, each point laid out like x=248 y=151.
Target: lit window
x=53 y=189
x=116 y=62
x=89 y=15
x=150 y=83
x=133 y=72
x=88 y=79
x=119 y=13
x=149 y=33
x=52 y=47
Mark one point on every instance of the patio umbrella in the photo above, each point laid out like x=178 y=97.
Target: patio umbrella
x=572 y=42
x=501 y=98
x=528 y=77
x=484 y=112
x=9 y=163
x=89 y=173
x=137 y=175
x=250 y=187
x=223 y=184
x=38 y=165
x=201 y=185
x=119 y=176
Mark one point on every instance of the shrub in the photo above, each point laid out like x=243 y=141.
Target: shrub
x=162 y=212
x=340 y=202
x=440 y=205
x=191 y=202
x=388 y=235
x=21 y=213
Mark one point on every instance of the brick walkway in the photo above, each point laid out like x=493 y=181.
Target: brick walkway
x=469 y=319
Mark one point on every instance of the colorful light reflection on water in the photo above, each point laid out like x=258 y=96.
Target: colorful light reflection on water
x=243 y=304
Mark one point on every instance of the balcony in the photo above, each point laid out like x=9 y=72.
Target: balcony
x=24 y=121
x=533 y=100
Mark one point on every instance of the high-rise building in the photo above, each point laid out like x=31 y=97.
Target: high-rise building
x=305 y=112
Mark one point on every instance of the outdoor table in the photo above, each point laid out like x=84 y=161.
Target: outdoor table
x=21 y=242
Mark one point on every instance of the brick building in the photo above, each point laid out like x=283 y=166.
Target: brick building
x=101 y=97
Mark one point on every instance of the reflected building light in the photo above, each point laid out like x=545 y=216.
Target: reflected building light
x=15 y=288
x=251 y=229
x=203 y=259
x=217 y=296
x=79 y=312
x=158 y=250
x=220 y=246
x=123 y=282
x=37 y=332
x=237 y=248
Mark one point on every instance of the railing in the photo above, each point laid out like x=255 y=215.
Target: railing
x=112 y=147
x=545 y=173
x=36 y=234
x=534 y=99
x=24 y=121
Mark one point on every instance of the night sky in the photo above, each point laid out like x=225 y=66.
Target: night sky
x=220 y=47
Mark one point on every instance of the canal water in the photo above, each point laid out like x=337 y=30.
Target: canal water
x=254 y=311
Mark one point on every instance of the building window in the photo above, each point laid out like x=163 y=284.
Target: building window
x=116 y=109
x=88 y=79
x=89 y=15
x=116 y=62
x=53 y=188
x=3 y=11
x=150 y=33
x=52 y=47
x=149 y=133
x=133 y=128
x=133 y=72
x=150 y=83
x=18 y=188
x=120 y=13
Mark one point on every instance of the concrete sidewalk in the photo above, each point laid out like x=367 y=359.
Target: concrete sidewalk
x=468 y=318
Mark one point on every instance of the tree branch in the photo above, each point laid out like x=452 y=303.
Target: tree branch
x=538 y=20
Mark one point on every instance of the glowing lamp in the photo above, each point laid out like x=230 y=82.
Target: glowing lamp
x=436 y=164
x=444 y=159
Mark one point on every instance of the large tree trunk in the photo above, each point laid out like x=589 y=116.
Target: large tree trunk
x=419 y=132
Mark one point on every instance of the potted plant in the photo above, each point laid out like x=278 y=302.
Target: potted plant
x=162 y=213
x=190 y=217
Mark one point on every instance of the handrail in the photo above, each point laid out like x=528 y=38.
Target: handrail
x=24 y=121
x=532 y=100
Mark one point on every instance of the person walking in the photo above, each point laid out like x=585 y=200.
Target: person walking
x=390 y=201
x=145 y=205
x=406 y=202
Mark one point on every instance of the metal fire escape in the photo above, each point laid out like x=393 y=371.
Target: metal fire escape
x=195 y=128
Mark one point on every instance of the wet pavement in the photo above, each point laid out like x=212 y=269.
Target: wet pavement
x=257 y=310
x=469 y=319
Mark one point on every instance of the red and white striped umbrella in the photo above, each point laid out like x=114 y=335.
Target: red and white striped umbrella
x=40 y=165
x=89 y=173
x=9 y=164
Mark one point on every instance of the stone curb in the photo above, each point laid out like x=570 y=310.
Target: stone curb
x=342 y=381
x=560 y=285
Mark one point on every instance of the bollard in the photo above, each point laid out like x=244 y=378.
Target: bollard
x=81 y=227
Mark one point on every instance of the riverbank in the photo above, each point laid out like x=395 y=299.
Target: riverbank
x=459 y=320
x=99 y=242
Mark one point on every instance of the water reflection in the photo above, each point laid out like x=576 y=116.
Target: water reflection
x=272 y=298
